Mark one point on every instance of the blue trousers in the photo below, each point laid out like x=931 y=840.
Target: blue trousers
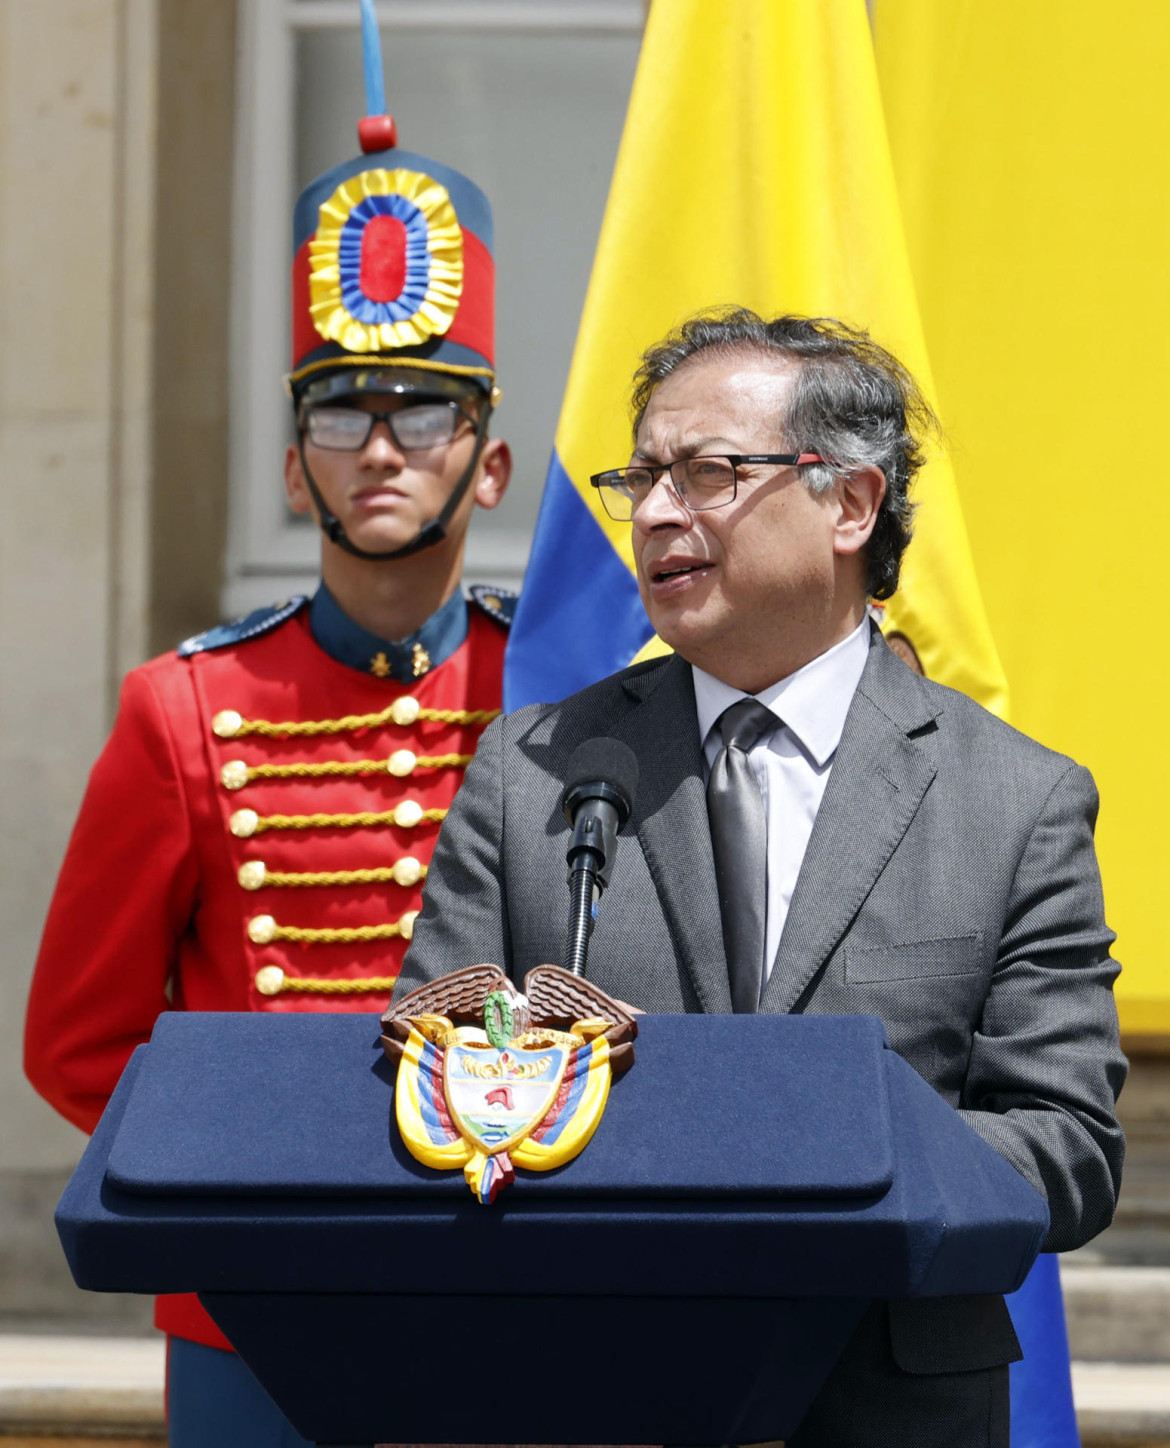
x=213 y=1401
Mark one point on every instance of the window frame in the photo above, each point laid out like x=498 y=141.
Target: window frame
x=269 y=554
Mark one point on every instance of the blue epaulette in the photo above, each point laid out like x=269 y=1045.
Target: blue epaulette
x=259 y=621
x=497 y=603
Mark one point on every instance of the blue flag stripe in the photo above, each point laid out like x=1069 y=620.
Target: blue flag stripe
x=579 y=616
x=1043 y=1415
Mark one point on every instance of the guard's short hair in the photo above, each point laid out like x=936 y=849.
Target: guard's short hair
x=851 y=401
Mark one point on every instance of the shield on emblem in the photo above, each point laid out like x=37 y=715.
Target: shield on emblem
x=497 y=1095
x=491 y=1079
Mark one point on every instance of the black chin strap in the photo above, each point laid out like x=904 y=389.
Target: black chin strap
x=430 y=533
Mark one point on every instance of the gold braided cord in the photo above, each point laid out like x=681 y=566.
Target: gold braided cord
x=301 y=727
x=357 y=766
x=344 y=935
x=380 y=360
x=342 y=821
x=380 y=876
x=312 y=985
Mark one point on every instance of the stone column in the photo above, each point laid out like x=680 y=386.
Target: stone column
x=115 y=172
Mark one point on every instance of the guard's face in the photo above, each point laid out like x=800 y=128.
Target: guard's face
x=737 y=590
x=383 y=492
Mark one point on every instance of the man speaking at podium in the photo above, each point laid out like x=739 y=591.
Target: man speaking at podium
x=816 y=828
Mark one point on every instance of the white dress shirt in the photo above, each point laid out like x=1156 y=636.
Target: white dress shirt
x=792 y=765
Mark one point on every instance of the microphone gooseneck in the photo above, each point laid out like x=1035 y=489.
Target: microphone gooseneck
x=598 y=795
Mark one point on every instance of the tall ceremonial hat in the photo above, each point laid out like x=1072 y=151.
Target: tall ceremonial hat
x=392 y=266
x=393 y=290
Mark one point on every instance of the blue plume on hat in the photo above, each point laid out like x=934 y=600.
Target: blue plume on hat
x=372 y=61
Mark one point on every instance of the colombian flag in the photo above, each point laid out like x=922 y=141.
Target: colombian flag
x=1029 y=143
x=753 y=170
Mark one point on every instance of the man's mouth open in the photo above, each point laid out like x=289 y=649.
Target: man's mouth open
x=675 y=575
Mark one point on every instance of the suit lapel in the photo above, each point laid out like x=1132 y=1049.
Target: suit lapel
x=670 y=815
x=877 y=782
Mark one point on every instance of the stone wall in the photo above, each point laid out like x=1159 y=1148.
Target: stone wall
x=115 y=150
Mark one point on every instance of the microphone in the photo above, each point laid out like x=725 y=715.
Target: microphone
x=598 y=794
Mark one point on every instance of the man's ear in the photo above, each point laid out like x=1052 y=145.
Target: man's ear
x=495 y=472
x=295 y=487
x=859 y=497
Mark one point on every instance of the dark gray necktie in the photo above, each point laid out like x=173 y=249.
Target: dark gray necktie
x=739 y=837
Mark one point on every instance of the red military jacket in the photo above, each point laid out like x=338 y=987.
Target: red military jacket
x=254 y=837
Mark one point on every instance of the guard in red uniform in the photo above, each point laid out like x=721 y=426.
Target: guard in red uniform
x=256 y=832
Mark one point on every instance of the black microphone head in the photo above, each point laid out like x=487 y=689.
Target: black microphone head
x=601 y=768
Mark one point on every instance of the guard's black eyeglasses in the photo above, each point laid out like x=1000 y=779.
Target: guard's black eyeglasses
x=414 y=428
x=700 y=484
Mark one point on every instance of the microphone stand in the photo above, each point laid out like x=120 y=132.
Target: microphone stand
x=591 y=848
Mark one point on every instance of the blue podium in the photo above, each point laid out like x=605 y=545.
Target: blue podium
x=689 y=1279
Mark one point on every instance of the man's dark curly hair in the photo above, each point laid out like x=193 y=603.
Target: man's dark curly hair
x=851 y=401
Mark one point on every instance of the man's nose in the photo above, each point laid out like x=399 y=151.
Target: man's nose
x=381 y=447
x=662 y=507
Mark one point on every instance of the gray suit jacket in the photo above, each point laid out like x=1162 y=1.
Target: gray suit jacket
x=950 y=887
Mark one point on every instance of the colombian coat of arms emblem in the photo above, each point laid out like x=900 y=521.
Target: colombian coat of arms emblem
x=490 y=1079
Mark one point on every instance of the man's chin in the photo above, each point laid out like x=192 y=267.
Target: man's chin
x=371 y=538
x=687 y=611
x=687 y=637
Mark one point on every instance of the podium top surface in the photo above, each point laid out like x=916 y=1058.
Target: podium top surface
x=302 y=1105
